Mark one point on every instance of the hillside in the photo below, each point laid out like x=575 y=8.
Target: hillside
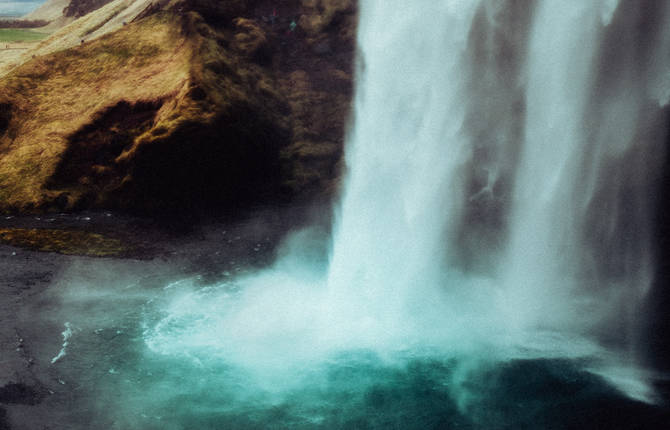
x=50 y=10
x=66 y=32
x=191 y=104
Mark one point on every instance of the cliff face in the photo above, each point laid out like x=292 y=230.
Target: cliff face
x=312 y=62
x=194 y=104
x=79 y=8
x=315 y=72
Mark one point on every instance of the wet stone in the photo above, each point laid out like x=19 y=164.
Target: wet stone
x=4 y=425
x=18 y=393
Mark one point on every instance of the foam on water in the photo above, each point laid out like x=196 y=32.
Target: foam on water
x=497 y=201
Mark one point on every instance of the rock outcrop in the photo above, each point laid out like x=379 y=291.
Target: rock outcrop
x=193 y=104
x=77 y=8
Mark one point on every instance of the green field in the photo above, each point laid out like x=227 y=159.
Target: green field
x=19 y=35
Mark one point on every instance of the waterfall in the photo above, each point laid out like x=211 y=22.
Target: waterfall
x=498 y=197
x=402 y=194
x=579 y=239
x=514 y=133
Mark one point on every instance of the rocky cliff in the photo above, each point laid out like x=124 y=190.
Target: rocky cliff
x=79 y=8
x=193 y=104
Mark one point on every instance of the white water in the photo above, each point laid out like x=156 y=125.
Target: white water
x=497 y=200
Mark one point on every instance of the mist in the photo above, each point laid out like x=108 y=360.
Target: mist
x=487 y=262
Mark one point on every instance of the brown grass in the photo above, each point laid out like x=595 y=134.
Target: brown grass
x=217 y=123
x=228 y=100
x=57 y=94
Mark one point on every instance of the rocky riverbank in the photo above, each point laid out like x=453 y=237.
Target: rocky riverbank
x=61 y=310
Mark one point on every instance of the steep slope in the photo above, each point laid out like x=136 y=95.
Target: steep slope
x=91 y=26
x=151 y=117
x=67 y=32
x=189 y=104
x=315 y=72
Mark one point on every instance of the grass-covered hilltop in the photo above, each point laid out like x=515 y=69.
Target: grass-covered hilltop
x=175 y=105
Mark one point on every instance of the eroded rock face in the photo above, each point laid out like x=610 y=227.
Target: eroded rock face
x=316 y=75
x=320 y=15
x=216 y=12
x=309 y=47
x=250 y=39
x=79 y=8
x=199 y=104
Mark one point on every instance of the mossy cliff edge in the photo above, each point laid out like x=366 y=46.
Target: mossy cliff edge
x=193 y=104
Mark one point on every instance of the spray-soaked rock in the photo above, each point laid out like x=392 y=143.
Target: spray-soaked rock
x=19 y=393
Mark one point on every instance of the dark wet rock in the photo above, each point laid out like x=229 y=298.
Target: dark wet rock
x=18 y=393
x=322 y=48
x=4 y=424
x=250 y=39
